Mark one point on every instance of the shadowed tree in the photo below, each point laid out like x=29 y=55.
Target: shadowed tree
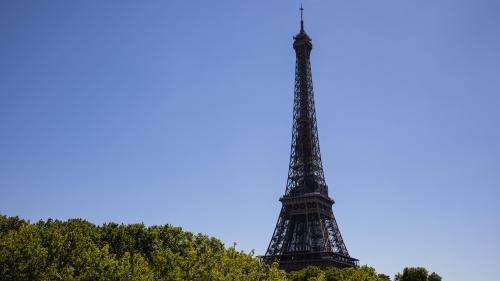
x=434 y=277
x=416 y=274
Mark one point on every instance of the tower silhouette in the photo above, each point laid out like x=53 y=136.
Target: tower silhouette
x=306 y=232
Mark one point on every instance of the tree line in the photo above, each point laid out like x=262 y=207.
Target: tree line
x=77 y=250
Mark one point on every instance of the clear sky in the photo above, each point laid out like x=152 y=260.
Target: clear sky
x=180 y=112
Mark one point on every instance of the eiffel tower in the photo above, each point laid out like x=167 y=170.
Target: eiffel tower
x=306 y=232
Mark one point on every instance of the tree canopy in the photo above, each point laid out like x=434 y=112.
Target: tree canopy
x=76 y=250
x=416 y=274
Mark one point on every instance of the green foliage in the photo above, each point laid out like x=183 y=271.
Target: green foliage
x=384 y=277
x=76 y=250
x=363 y=273
x=434 y=277
x=416 y=274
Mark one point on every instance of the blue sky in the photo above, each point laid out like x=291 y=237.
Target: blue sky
x=180 y=112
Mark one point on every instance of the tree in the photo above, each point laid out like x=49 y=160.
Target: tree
x=384 y=277
x=434 y=277
x=76 y=250
x=416 y=274
x=362 y=273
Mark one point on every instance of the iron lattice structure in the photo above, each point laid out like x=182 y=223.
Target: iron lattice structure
x=306 y=232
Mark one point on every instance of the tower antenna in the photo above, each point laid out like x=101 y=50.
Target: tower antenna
x=301 y=18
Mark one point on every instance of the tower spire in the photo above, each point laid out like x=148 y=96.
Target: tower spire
x=301 y=18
